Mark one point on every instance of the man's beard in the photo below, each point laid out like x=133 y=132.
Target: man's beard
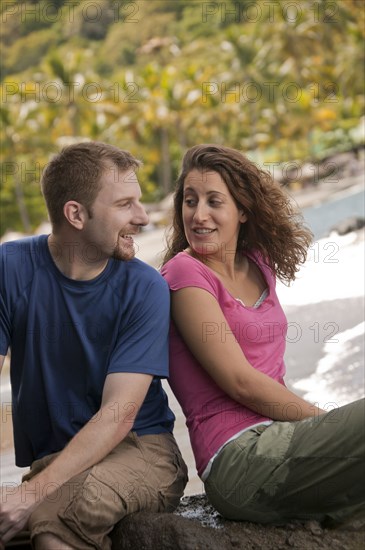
x=124 y=253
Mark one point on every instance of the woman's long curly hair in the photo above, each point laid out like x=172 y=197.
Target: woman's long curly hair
x=274 y=226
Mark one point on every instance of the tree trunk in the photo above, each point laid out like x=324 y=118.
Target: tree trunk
x=166 y=173
x=23 y=212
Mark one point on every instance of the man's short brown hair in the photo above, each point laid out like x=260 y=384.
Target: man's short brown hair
x=75 y=174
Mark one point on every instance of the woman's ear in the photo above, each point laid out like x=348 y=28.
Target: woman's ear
x=75 y=214
x=242 y=217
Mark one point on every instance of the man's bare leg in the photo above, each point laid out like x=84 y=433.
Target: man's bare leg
x=47 y=541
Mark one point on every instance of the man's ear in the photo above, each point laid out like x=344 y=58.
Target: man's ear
x=75 y=214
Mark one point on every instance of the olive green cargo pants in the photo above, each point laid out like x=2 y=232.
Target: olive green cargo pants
x=310 y=469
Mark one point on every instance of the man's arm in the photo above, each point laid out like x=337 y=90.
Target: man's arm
x=2 y=359
x=123 y=395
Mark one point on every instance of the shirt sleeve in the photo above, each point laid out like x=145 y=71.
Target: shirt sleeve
x=5 y=316
x=142 y=344
x=184 y=271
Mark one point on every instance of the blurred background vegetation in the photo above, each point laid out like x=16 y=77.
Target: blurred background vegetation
x=279 y=80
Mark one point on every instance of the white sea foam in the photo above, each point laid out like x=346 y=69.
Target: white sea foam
x=334 y=270
x=322 y=386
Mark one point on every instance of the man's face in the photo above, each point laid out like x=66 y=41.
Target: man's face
x=116 y=215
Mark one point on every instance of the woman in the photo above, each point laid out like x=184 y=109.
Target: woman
x=263 y=453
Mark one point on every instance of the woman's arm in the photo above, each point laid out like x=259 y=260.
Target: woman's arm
x=193 y=311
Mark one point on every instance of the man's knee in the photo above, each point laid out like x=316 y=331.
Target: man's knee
x=72 y=518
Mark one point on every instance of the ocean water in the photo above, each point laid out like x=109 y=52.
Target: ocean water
x=322 y=217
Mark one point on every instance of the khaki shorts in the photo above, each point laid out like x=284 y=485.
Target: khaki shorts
x=142 y=473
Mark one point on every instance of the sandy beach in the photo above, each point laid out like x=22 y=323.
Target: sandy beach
x=325 y=344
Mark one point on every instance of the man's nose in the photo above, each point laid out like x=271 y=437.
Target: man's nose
x=140 y=216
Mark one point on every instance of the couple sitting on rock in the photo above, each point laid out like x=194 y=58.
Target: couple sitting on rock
x=88 y=328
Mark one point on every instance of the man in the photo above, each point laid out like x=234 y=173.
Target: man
x=87 y=325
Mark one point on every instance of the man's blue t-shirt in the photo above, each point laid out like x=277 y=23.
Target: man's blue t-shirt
x=66 y=336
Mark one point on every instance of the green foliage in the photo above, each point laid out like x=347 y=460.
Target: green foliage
x=27 y=51
x=280 y=80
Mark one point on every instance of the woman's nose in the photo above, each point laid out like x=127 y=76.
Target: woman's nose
x=201 y=212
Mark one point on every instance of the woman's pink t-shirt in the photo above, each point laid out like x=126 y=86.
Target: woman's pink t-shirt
x=212 y=417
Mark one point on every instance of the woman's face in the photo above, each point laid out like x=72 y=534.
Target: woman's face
x=210 y=215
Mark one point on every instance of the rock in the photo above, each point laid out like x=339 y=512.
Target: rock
x=314 y=527
x=348 y=225
x=195 y=525
x=20 y=542
x=332 y=168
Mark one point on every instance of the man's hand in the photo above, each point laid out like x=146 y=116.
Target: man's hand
x=16 y=505
x=123 y=394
